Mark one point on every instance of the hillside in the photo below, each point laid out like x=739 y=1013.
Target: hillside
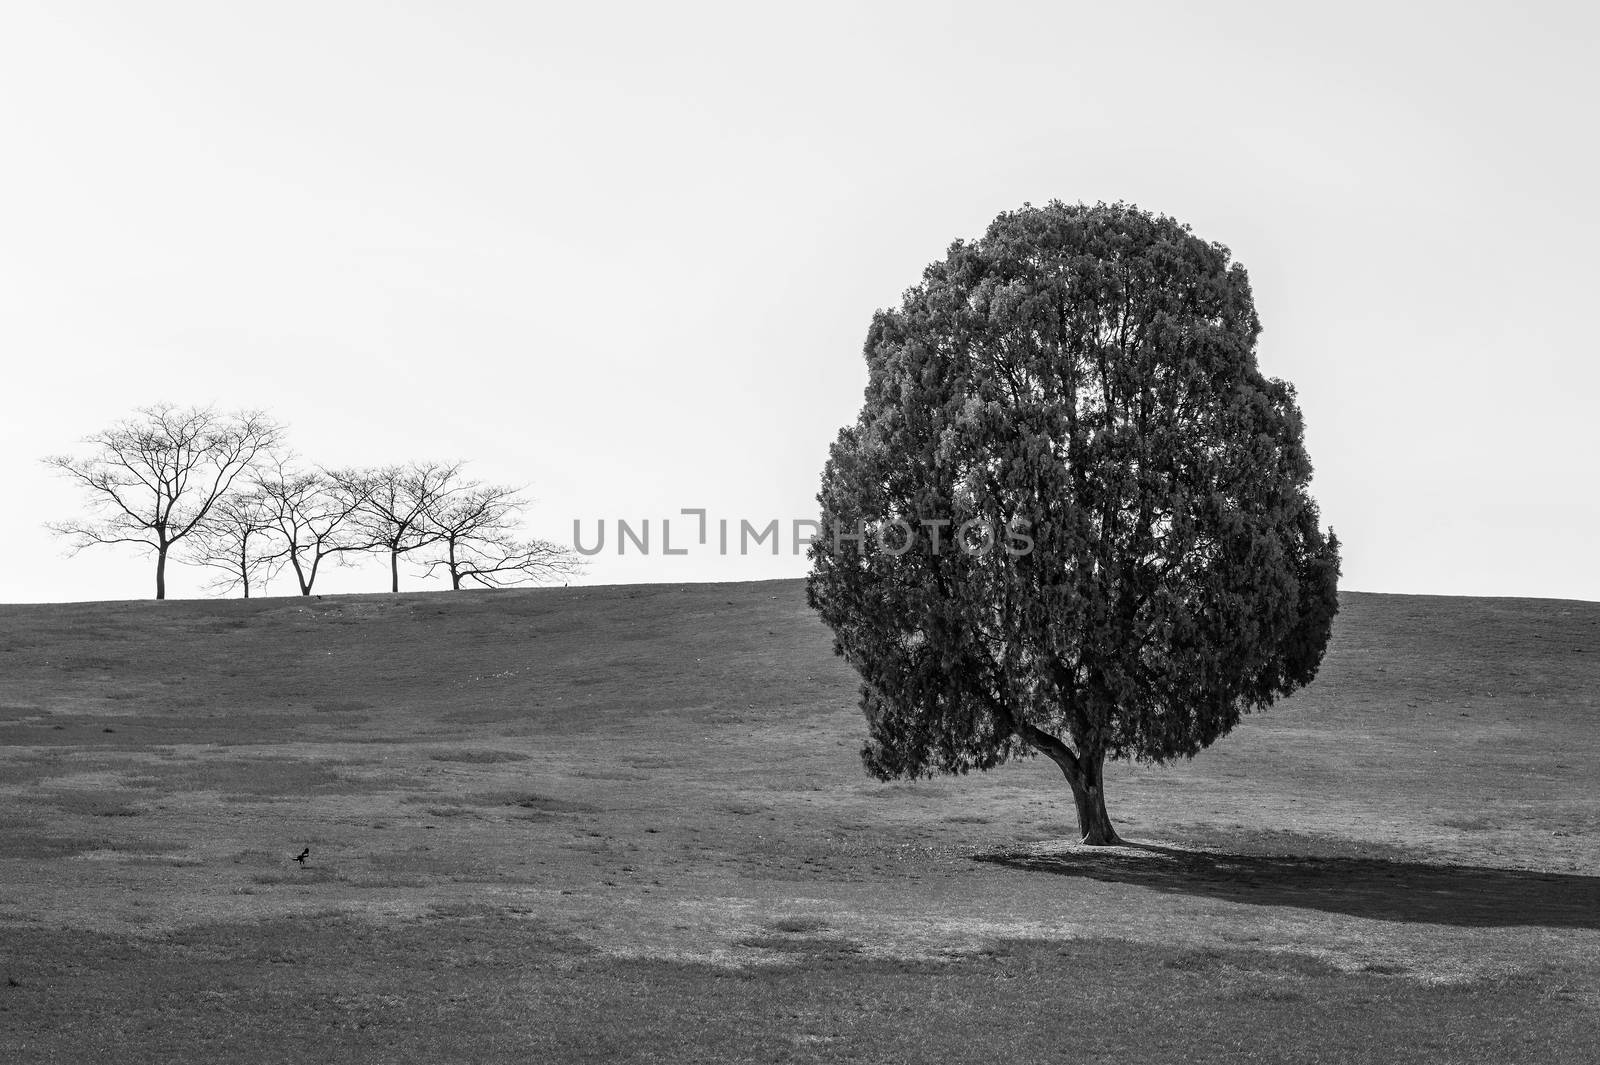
x=532 y=811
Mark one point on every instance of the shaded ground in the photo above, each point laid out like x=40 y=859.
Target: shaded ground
x=1381 y=889
x=579 y=824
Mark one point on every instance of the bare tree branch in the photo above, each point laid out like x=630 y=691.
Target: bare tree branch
x=313 y=514
x=394 y=504
x=477 y=530
x=235 y=538
x=152 y=479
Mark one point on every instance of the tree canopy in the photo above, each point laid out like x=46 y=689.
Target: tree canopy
x=1073 y=515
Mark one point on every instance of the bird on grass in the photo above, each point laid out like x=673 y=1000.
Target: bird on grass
x=301 y=857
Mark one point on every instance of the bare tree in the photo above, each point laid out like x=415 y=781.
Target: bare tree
x=477 y=530
x=153 y=478
x=236 y=538
x=395 y=500
x=313 y=513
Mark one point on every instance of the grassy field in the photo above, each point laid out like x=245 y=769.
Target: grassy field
x=630 y=824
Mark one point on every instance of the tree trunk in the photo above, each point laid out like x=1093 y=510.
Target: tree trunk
x=299 y=574
x=394 y=570
x=1089 y=794
x=161 y=572
x=1085 y=773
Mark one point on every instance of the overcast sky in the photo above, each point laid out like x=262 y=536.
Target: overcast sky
x=627 y=254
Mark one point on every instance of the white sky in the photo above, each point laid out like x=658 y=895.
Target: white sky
x=627 y=254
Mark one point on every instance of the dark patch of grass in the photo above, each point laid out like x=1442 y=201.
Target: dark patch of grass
x=1475 y=822
x=528 y=800
x=309 y=876
x=801 y=944
x=480 y=757
x=1195 y=960
x=797 y=925
x=82 y=802
x=457 y=909
x=35 y=842
x=264 y=776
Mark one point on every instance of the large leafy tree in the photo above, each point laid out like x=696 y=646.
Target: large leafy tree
x=1077 y=390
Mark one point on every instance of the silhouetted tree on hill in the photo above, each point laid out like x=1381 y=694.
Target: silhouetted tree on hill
x=154 y=478
x=313 y=515
x=478 y=534
x=392 y=514
x=236 y=538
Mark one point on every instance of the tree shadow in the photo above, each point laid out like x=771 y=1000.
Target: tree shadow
x=1382 y=889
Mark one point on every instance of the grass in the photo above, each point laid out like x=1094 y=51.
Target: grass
x=630 y=824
